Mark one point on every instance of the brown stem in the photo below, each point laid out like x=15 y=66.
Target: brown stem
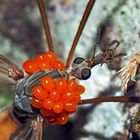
x=124 y=99
x=79 y=31
x=45 y=24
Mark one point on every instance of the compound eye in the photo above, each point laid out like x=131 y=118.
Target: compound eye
x=78 y=60
x=85 y=73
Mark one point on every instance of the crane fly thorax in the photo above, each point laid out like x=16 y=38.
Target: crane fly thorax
x=23 y=94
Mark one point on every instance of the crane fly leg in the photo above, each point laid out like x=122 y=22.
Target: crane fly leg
x=123 y=99
x=114 y=42
x=97 y=42
x=10 y=68
x=79 y=31
x=45 y=24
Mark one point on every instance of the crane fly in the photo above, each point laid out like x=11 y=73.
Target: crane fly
x=23 y=121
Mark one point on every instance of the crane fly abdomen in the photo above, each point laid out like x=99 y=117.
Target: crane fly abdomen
x=8 y=125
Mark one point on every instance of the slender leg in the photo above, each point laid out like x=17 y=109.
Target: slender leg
x=79 y=31
x=114 y=42
x=10 y=68
x=96 y=44
x=124 y=99
x=45 y=24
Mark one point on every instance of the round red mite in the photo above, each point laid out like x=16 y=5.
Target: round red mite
x=56 y=98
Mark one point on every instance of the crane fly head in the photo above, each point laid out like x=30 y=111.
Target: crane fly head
x=80 y=69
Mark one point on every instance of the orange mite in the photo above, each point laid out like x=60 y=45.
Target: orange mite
x=55 y=95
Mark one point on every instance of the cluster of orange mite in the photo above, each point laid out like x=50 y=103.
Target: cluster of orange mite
x=56 y=98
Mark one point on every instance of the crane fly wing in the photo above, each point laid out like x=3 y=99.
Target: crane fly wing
x=38 y=127
x=10 y=68
x=25 y=134
x=33 y=130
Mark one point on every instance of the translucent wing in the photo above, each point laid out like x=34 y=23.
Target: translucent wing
x=32 y=131
x=10 y=68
